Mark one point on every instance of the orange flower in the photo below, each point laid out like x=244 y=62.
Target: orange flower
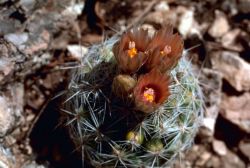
x=151 y=91
x=166 y=50
x=130 y=51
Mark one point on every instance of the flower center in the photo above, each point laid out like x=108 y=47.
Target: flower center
x=166 y=50
x=149 y=95
x=132 y=50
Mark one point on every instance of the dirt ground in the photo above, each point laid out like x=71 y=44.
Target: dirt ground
x=39 y=45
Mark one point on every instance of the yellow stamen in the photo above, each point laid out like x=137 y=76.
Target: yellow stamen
x=149 y=95
x=132 y=50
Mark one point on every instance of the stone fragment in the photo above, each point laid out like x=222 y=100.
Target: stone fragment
x=228 y=40
x=231 y=160
x=18 y=39
x=73 y=10
x=186 y=22
x=7 y=118
x=236 y=109
x=6 y=158
x=245 y=148
x=234 y=69
x=204 y=157
x=244 y=6
x=220 y=26
x=32 y=164
x=6 y=67
x=219 y=147
x=27 y=4
x=162 y=6
x=11 y=106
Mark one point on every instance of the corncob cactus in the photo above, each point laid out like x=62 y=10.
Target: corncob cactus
x=134 y=101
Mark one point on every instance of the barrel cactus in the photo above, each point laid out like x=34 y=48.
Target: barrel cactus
x=134 y=101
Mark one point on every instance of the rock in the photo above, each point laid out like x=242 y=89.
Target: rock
x=230 y=7
x=212 y=81
x=18 y=39
x=38 y=42
x=214 y=162
x=204 y=157
x=234 y=69
x=156 y=17
x=11 y=106
x=32 y=164
x=27 y=4
x=186 y=22
x=9 y=25
x=220 y=26
x=162 y=6
x=245 y=148
x=7 y=118
x=6 y=158
x=161 y=14
x=219 y=147
x=229 y=40
x=231 y=160
x=236 y=109
x=73 y=10
x=77 y=51
x=244 y=6
x=6 y=68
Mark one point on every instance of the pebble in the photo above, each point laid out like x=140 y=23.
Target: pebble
x=220 y=26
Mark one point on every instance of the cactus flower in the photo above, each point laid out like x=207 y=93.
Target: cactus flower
x=151 y=91
x=130 y=52
x=166 y=49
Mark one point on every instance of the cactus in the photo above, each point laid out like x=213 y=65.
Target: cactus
x=111 y=122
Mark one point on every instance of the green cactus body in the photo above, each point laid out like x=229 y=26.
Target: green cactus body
x=110 y=132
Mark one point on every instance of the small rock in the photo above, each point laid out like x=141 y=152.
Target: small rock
x=7 y=118
x=11 y=106
x=9 y=26
x=234 y=69
x=245 y=148
x=27 y=4
x=219 y=147
x=41 y=42
x=186 y=22
x=77 y=51
x=162 y=6
x=6 y=68
x=156 y=17
x=17 y=39
x=32 y=164
x=6 y=158
x=236 y=109
x=214 y=162
x=244 y=6
x=204 y=157
x=231 y=160
x=229 y=40
x=74 y=9
x=220 y=26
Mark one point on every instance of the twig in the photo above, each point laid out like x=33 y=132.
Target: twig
x=143 y=14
